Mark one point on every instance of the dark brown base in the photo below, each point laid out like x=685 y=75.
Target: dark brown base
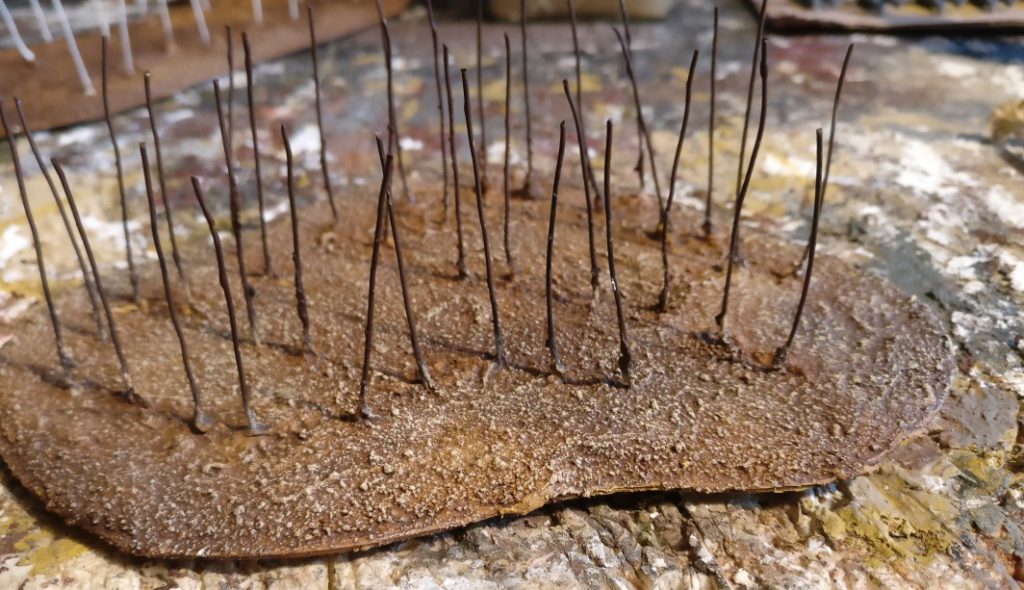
x=869 y=367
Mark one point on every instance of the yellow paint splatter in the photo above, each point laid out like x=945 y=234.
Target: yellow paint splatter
x=368 y=59
x=495 y=90
x=45 y=553
x=589 y=82
x=1008 y=120
x=409 y=109
x=680 y=74
x=891 y=519
x=14 y=520
x=409 y=87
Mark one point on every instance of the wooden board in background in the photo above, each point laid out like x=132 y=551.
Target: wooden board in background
x=848 y=15
x=54 y=97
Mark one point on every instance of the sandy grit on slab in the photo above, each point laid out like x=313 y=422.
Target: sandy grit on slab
x=869 y=367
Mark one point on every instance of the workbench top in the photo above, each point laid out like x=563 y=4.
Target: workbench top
x=919 y=194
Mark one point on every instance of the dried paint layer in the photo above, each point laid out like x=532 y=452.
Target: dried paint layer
x=869 y=367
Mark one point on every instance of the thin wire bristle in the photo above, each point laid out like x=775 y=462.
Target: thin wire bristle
x=301 y=304
x=320 y=114
x=421 y=365
x=126 y=376
x=527 y=189
x=268 y=268
x=645 y=136
x=595 y=270
x=639 y=168
x=164 y=195
x=231 y=86
x=625 y=355
x=255 y=427
x=440 y=104
x=234 y=201
x=581 y=124
x=394 y=136
x=831 y=140
x=506 y=180
x=482 y=116
x=133 y=276
x=168 y=295
x=500 y=359
x=552 y=343
x=819 y=197
x=378 y=236
x=750 y=91
x=741 y=195
x=63 y=357
x=707 y=227
x=90 y=287
x=460 y=263
x=663 y=297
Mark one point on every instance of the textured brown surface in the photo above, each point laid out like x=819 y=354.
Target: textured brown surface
x=869 y=367
x=54 y=98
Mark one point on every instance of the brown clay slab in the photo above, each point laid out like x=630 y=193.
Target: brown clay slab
x=869 y=367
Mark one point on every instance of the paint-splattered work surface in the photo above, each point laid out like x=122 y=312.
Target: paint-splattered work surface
x=920 y=194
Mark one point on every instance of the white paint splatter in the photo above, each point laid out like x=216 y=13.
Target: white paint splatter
x=727 y=69
x=1011 y=79
x=1014 y=379
x=272 y=213
x=13 y=575
x=400 y=63
x=1014 y=269
x=306 y=139
x=974 y=287
x=954 y=68
x=13 y=241
x=496 y=154
x=100 y=229
x=82 y=134
x=567 y=62
x=743 y=578
x=938 y=228
x=962 y=267
x=877 y=222
x=1004 y=205
x=410 y=144
x=272 y=68
x=789 y=166
x=935 y=484
x=177 y=116
x=880 y=40
x=966 y=324
x=921 y=168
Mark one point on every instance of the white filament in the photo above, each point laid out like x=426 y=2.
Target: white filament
x=126 y=42
x=44 y=29
x=165 y=20
x=12 y=28
x=257 y=11
x=204 y=33
x=76 y=57
x=293 y=9
x=101 y=19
